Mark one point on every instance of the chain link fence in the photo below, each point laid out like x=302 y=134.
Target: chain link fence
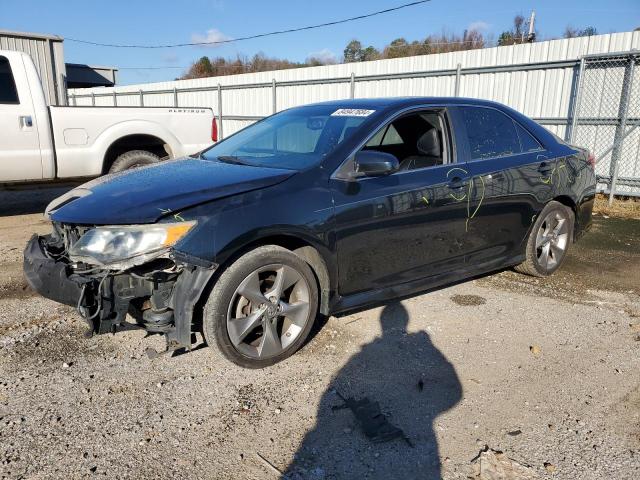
x=607 y=117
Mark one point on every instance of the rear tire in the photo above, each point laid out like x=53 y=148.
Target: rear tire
x=133 y=159
x=261 y=308
x=548 y=241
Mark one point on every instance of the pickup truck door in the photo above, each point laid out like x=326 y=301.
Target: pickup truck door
x=20 y=155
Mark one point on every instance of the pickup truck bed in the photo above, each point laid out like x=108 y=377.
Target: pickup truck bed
x=88 y=139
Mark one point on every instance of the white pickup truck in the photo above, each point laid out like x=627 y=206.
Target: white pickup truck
x=45 y=143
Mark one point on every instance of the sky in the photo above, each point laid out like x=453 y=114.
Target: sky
x=172 y=21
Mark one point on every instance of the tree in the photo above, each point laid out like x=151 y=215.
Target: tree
x=202 y=68
x=506 y=38
x=353 y=52
x=571 y=32
x=370 y=53
x=518 y=27
x=397 y=48
x=515 y=35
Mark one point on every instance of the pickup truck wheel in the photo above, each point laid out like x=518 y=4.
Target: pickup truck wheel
x=548 y=241
x=133 y=159
x=262 y=308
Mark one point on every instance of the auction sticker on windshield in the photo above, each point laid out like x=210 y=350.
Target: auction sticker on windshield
x=352 y=112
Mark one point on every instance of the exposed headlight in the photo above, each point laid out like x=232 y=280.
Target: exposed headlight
x=115 y=245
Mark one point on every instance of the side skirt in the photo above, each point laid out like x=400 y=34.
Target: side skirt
x=376 y=297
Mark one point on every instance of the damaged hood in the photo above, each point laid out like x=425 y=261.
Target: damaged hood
x=145 y=195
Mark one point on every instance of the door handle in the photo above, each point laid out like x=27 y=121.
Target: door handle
x=545 y=168
x=457 y=183
x=26 y=121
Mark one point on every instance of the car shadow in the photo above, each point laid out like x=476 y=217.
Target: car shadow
x=22 y=200
x=412 y=381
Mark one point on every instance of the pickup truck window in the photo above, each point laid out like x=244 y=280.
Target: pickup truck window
x=8 y=91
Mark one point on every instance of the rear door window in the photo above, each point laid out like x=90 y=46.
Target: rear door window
x=490 y=133
x=527 y=141
x=8 y=91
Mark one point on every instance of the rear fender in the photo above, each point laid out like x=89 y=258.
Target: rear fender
x=77 y=162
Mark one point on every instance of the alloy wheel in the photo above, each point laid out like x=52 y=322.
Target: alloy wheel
x=552 y=240
x=268 y=311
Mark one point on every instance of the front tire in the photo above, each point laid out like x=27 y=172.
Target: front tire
x=262 y=308
x=548 y=241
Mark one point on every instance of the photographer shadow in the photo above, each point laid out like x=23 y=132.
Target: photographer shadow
x=413 y=383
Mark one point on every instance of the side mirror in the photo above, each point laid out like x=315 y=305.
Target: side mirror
x=373 y=163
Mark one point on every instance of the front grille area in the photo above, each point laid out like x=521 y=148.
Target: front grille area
x=69 y=234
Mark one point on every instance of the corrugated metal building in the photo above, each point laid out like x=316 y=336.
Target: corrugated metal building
x=86 y=76
x=47 y=54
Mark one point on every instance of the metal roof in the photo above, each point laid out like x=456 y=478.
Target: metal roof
x=39 y=36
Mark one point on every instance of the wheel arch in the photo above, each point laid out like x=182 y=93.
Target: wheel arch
x=567 y=201
x=129 y=130
x=303 y=247
x=300 y=245
x=137 y=141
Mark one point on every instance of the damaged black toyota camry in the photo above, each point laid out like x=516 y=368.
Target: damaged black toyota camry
x=313 y=211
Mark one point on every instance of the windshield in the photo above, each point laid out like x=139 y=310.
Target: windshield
x=294 y=139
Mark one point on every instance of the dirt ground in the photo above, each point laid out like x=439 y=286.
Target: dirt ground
x=544 y=370
x=621 y=208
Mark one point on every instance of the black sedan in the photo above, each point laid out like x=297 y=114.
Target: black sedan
x=313 y=211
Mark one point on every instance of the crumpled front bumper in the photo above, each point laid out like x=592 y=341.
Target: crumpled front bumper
x=48 y=277
x=106 y=303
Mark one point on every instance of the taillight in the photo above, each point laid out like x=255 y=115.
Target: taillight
x=591 y=160
x=214 y=130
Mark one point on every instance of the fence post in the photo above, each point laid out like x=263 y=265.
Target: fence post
x=175 y=97
x=93 y=99
x=353 y=85
x=623 y=113
x=220 y=131
x=141 y=98
x=274 y=98
x=73 y=99
x=576 y=102
x=458 y=75
x=115 y=99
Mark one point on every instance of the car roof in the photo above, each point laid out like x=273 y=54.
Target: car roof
x=400 y=102
x=397 y=103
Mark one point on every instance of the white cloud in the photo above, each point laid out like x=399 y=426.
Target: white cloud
x=479 y=26
x=325 y=56
x=212 y=35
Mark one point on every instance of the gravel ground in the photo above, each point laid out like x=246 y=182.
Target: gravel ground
x=544 y=370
